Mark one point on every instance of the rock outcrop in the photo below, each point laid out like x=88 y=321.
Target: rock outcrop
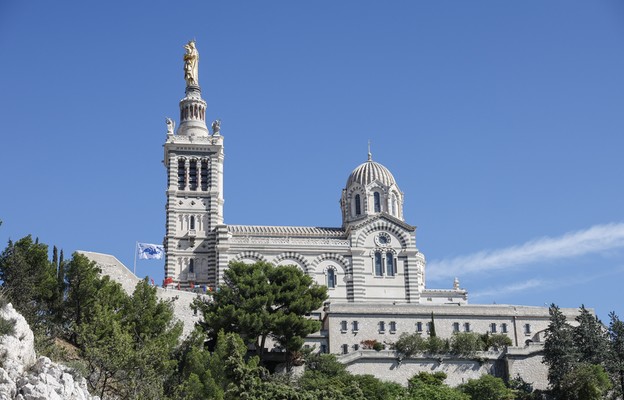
x=23 y=376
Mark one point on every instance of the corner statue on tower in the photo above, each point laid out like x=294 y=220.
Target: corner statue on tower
x=191 y=64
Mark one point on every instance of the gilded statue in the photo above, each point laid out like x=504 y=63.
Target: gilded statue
x=191 y=64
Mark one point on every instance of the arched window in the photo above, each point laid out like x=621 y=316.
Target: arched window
x=377 y=201
x=390 y=264
x=358 y=206
x=192 y=223
x=331 y=278
x=378 y=266
x=191 y=266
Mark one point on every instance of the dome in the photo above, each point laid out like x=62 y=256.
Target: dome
x=371 y=171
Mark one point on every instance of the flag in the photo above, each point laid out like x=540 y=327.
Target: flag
x=150 y=251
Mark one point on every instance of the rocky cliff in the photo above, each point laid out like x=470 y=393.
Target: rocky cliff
x=25 y=376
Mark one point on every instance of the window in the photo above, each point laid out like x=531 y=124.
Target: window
x=378 y=266
x=418 y=326
x=467 y=327
x=392 y=326
x=527 y=329
x=358 y=205
x=191 y=266
x=456 y=327
x=390 y=264
x=345 y=349
x=192 y=222
x=377 y=201
x=355 y=326
x=493 y=327
x=331 y=278
x=181 y=174
x=323 y=348
x=193 y=175
x=204 y=175
x=343 y=326
x=504 y=328
x=382 y=327
x=356 y=347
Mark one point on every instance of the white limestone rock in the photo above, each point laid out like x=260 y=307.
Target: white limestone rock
x=23 y=376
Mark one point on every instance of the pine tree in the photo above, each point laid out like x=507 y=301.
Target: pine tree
x=560 y=353
x=615 y=366
x=590 y=338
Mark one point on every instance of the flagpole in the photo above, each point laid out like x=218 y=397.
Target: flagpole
x=136 y=245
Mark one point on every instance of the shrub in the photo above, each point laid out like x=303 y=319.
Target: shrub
x=372 y=344
x=487 y=387
x=466 y=343
x=498 y=341
x=437 y=345
x=408 y=345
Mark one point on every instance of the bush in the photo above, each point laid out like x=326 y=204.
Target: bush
x=487 y=387
x=497 y=341
x=7 y=326
x=466 y=344
x=408 y=345
x=436 y=345
x=372 y=344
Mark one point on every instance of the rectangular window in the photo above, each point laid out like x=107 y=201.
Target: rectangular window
x=355 y=326
x=323 y=348
x=455 y=326
x=527 y=329
x=418 y=326
x=345 y=349
x=356 y=347
x=493 y=327
x=343 y=326
x=382 y=327
x=392 y=326
x=504 y=328
x=467 y=327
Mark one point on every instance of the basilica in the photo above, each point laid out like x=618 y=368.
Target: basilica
x=371 y=265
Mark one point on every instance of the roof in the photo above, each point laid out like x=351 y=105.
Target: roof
x=293 y=231
x=369 y=172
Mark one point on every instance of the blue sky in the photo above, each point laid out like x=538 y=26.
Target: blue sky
x=502 y=123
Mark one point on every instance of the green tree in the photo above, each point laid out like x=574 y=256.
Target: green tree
x=409 y=344
x=466 y=344
x=590 y=338
x=326 y=378
x=127 y=342
x=497 y=341
x=375 y=389
x=28 y=279
x=487 y=387
x=425 y=386
x=261 y=300
x=560 y=354
x=615 y=365
x=83 y=284
x=585 y=382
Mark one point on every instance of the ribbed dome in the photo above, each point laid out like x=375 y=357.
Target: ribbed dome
x=370 y=171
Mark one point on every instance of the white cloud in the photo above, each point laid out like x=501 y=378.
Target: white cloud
x=514 y=287
x=596 y=239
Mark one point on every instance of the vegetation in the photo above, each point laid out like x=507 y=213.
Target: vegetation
x=260 y=301
x=129 y=346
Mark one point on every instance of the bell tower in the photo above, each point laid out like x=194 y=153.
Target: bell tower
x=194 y=161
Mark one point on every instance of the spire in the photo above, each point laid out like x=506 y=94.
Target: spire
x=370 y=155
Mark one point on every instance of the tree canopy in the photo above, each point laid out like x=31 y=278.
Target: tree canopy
x=259 y=301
